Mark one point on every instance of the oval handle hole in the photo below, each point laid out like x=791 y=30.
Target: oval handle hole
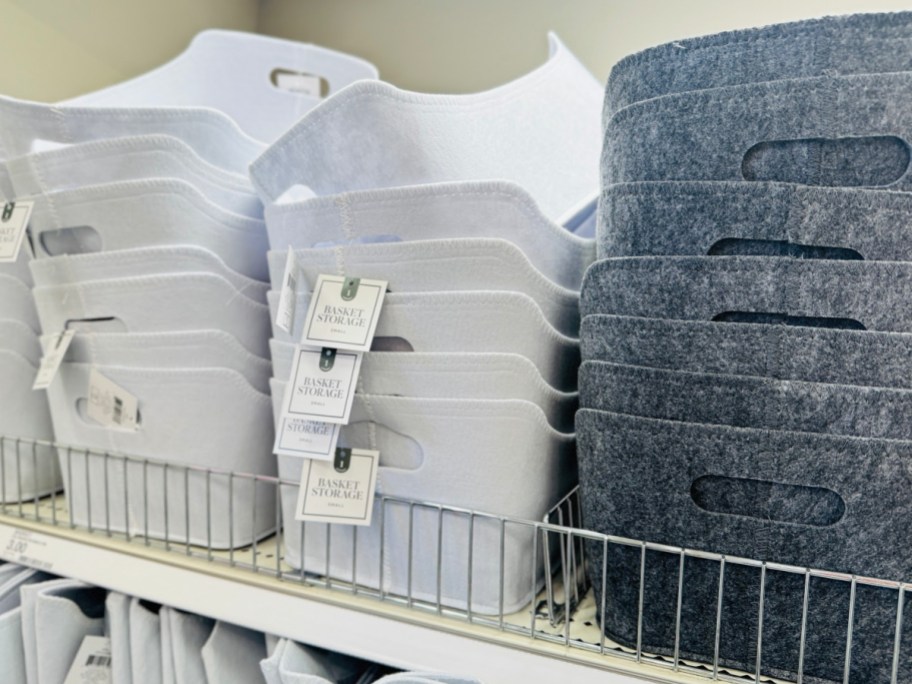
x=82 y=410
x=107 y=324
x=391 y=344
x=768 y=501
x=396 y=450
x=846 y=162
x=785 y=319
x=783 y=248
x=299 y=82
x=75 y=240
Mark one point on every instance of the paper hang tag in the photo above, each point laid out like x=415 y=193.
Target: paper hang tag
x=343 y=313
x=92 y=664
x=302 y=84
x=288 y=295
x=322 y=384
x=341 y=490
x=110 y=404
x=55 y=348
x=14 y=218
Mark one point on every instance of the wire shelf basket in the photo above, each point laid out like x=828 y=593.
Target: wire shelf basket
x=178 y=508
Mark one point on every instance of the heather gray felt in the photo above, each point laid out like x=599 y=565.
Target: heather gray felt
x=845 y=501
x=747 y=401
x=810 y=354
x=852 y=294
x=667 y=218
x=774 y=131
x=855 y=44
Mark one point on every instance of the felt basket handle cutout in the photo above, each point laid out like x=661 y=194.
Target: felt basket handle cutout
x=768 y=501
x=82 y=410
x=770 y=318
x=107 y=324
x=780 y=248
x=396 y=449
x=75 y=240
x=391 y=344
x=835 y=162
x=299 y=82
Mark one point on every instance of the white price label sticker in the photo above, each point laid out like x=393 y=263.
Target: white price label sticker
x=14 y=218
x=26 y=548
x=302 y=84
x=288 y=295
x=55 y=348
x=343 y=313
x=110 y=404
x=92 y=664
x=341 y=490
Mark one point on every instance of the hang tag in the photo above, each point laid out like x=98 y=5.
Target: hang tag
x=303 y=437
x=343 y=313
x=322 y=385
x=110 y=404
x=302 y=84
x=55 y=348
x=92 y=664
x=288 y=295
x=14 y=218
x=340 y=490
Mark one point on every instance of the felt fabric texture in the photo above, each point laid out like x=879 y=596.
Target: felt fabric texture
x=454 y=452
x=12 y=646
x=301 y=664
x=426 y=678
x=453 y=376
x=27 y=126
x=825 y=293
x=186 y=349
x=16 y=302
x=69 y=269
x=160 y=303
x=854 y=44
x=56 y=617
x=26 y=470
x=438 y=211
x=235 y=434
x=682 y=218
x=461 y=264
x=117 y=628
x=19 y=269
x=19 y=338
x=146 y=659
x=195 y=78
x=809 y=354
x=186 y=635
x=131 y=158
x=145 y=213
x=521 y=132
x=746 y=401
x=232 y=655
x=831 y=131
x=508 y=322
x=809 y=500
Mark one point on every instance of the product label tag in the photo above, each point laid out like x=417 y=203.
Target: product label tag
x=14 y=218
x=26 y=548
x=110 y=404
x=343 y=313
x=340 y=490
x=55 y=348
x=288 y=295
x=303 y=84
x=322 y=385
x=92 y=664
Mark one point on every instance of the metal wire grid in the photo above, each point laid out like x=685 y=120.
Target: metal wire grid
x=559 y=544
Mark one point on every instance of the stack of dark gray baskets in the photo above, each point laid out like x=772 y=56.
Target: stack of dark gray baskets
x=747 y=346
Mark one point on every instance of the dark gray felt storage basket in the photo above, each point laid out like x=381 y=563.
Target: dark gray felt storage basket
x=810 y=500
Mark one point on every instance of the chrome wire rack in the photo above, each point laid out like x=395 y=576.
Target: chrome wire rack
x=573 y=572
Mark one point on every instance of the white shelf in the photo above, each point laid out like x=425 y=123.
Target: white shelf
x=361 y=626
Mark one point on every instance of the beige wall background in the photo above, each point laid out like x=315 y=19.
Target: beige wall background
x=54 y=49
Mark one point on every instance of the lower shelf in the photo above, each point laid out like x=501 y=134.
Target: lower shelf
x=276 y=599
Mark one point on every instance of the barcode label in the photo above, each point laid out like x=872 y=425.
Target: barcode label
x=118 y=410
x=98 y=661
x=111 y=405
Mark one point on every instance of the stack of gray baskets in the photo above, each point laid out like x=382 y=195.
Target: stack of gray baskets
x=746 y=341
